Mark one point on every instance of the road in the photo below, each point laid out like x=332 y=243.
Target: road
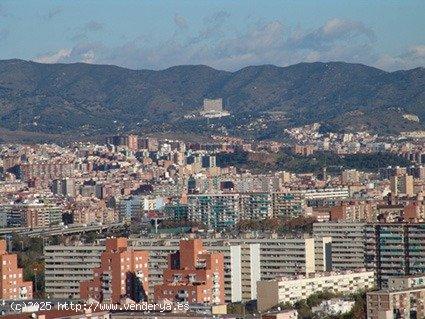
x=56 y=230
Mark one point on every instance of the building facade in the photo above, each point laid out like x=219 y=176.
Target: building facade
x=12 y=285
x=123 y=273
x=291 y=290
x=193 y=275
x=404 y=298
x=395 y=249
x=347 y=243
x=68 y=265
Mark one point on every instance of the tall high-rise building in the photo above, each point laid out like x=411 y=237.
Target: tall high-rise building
x=149 y=143
x=132 y=142
x=193 y=275
x=123 y=273
x=395 y=249
x=12 y=286
x=64 y=187
x=348 y=244
x=402 y=185
x=241 y=265
x=246 y=260
x=68 y=265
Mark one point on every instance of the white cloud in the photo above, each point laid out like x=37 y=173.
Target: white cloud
x=54 y=57
x=413 y=57
x=270 y=42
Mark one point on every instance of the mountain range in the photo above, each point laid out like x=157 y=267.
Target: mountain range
x=87 y=100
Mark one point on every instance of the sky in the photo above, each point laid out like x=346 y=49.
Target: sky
x=224 y=34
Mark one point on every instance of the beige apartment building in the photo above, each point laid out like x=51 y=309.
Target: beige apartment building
x=402 y=185
x=290 y=290
x=347 y=246
x=246 y=261
x=67 y=265
x=241 y=264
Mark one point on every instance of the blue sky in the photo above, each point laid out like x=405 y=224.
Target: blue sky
x=225 y=34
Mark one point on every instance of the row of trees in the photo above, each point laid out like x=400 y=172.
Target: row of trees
x=304 y=307
x=30 y=258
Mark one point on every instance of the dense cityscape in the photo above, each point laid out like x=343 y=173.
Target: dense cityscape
x=214 y=159
x=141 y=219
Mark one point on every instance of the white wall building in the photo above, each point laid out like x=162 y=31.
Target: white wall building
x=290 y=290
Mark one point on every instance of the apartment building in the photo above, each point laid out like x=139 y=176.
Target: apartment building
x=123 y=273
x=54 y=168
x=193 y=275
x=265 y=258
x=135 y=205
x=263 y=205
x=246 y=260
x=287 y=205
x=284 y=256
x=324 y=196
x=31 y=214
x=241 y=264
x=12 y=285
x=90 y=210
x=404 y=298
x=225 y=210
x=256 y=205
x=64 y=187
x=280 y=256
x=395 y=249
x=291 y=290
x=68 y=265
x=347 y=243
x=215 y=211
x=402 y=185
x=354 y=211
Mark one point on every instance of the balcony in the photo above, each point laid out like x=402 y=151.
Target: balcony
x=201 y=264
x=23 y=293
x=195 y=281
x=182 y=294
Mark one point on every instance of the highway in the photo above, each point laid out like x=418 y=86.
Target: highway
x=56 y=230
